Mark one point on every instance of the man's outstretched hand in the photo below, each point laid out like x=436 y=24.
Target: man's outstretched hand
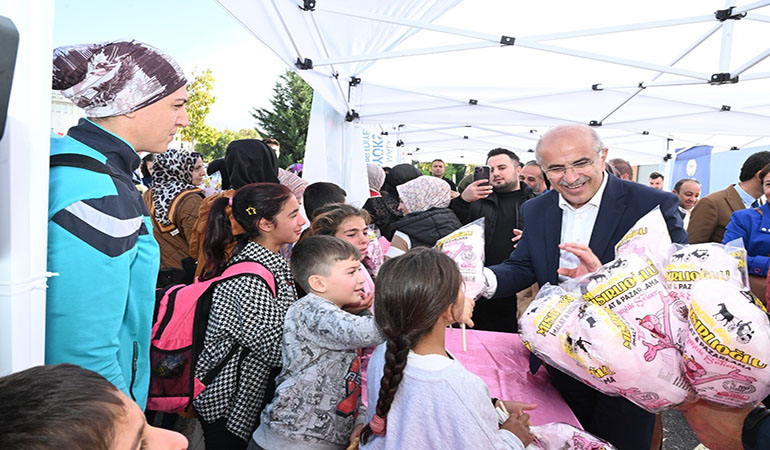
x=587 y=261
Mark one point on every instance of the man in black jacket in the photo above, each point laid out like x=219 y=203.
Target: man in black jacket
x=499 y=202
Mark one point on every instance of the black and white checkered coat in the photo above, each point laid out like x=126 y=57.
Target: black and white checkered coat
x=244 y=313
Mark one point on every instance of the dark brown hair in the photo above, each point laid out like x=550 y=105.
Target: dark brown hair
x=410 y=294
x=328 y=219
x=58 y=407
x=315 y=255
x=250 y=204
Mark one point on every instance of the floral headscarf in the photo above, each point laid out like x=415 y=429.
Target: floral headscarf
x=172 y=174
x=424 y=193
x=114 y=78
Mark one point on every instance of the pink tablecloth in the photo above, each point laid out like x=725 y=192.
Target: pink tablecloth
x=502 y=361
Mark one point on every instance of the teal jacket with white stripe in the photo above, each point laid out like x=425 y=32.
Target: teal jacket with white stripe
x=99 y=309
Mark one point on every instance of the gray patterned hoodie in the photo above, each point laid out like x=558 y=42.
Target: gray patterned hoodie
x=318 y=396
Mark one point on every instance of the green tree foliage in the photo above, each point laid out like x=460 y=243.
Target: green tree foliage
x=288 y=119
x=216 y=149
x=199 y=101
x=449 y=172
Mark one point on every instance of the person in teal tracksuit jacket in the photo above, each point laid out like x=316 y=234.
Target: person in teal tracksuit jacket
x=99 y=308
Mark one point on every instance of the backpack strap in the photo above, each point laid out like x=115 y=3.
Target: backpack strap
x=251 y=268
x=81 y=161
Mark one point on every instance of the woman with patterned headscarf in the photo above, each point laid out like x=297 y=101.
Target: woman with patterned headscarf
x=427 y=217
x=173 y=202
x=99 y=309
x=384 y=210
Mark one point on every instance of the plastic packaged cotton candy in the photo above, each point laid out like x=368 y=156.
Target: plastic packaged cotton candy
x=466 y=247
x=690 y=264
x=632 y=287
x=649 y=236
x=562 y=436
x=600 y=348
x=728 y=344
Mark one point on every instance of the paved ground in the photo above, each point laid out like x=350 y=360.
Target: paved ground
x=676 y=433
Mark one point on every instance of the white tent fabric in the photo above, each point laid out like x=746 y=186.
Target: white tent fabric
x=24 y=189
x=491 y=70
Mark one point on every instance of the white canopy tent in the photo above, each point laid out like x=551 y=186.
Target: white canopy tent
x=453 y=78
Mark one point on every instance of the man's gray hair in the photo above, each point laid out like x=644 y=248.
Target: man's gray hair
x=598 y=144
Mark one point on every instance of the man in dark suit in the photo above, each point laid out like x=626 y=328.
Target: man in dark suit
x=578 y=224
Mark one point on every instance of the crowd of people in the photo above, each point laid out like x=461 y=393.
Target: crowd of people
x=284 y=351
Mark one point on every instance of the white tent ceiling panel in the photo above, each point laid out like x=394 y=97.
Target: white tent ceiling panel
x=422 y=62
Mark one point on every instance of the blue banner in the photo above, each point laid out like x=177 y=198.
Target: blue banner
x=695 y=163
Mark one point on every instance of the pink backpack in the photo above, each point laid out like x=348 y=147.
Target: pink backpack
x=178 y=331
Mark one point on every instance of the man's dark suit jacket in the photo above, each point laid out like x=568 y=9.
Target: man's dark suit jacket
x=536 y=258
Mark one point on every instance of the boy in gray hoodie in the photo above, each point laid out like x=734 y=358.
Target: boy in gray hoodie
x=316 y=404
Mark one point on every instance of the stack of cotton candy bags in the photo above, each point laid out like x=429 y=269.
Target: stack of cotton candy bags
x=625 y=314
x=727 y=349
x=466 y=247
x=612 y=335
x=562 y=436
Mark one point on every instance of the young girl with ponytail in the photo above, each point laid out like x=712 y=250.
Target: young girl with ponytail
x=246 y=320
x=420 y=397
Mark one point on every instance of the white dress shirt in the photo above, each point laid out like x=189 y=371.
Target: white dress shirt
x=577 y=225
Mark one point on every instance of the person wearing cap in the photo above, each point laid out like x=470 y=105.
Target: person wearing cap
x=100 y=239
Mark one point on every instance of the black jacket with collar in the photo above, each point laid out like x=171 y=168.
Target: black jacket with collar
x=424 y=228
x=487 y=208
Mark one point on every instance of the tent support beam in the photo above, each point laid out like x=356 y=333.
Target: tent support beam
x=758 y=18
x=727 y=41
x=410 y=23
x=618 y=28
x=335 y=74
x=679 y=57
x=288 y=33
x=751 y=63
x=756 y=76
x=750 y=6
x=614 y=60
x=404 y=53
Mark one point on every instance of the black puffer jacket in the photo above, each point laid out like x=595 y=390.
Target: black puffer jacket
x=424 y=228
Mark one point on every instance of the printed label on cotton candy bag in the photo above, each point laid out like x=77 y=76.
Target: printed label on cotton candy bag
x=466 y=247
x=562 y=436
x=727 y=350
x=600 y=348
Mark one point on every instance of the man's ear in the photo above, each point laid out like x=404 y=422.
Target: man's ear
x=317 y=283
x=130 y=115
x=265 y=225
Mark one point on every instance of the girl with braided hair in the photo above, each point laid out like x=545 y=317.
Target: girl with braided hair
x=420 y=397
x=246 y=319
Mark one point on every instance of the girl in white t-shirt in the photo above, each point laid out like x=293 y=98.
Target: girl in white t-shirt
x=419 y=396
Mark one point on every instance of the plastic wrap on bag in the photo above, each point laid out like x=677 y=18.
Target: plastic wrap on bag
x=633 y=287
x=212 y=184
x=562 y=436
x=649 y=236
x=374 y=255
x=633 y=357
x=466 y=247
x=690 y=264
x=728 y=344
